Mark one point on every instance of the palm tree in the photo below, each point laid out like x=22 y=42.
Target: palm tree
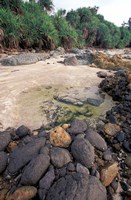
x=14 y=5
x=46 y=5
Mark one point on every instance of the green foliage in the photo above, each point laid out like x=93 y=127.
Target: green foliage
x=46 y=4
x=29 y=25
x=67 y=34
x=125 y=39
x=11 y=25
x=14 y=5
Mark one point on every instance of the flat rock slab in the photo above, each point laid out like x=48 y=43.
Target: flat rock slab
x=79 y=97
x=24 y=59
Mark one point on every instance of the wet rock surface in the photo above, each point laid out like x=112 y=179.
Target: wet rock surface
x=71 y=60
x=83 y=152
x=89 y=160
x=24 y=59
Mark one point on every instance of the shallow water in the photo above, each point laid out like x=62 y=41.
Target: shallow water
x=33 y=107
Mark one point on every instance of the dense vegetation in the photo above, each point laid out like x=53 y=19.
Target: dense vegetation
x=31 y=25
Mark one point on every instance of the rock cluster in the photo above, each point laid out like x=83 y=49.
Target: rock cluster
x=104 y=61
x=24 y=59
x=86 y=160
x=117 y=129
x=59 y=164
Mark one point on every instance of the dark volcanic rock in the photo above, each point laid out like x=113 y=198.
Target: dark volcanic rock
x=96 y=140
x=102 y=74
x=69 y=187
x=35 y=170
x=5 y=138
x=3 y=161
x=77 y=187
x=22 y=155
x=22 y=131
x=83 y=152
x=95 y=102
x=78 y=126
x=48 y=179
x=60 y=157
x=96 y=190
x=72 y=60
x=46 y=182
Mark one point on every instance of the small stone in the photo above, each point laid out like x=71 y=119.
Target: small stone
x=102 y=74
x=59 y=137
x=66 y=126
x=108 y=173
x=81 y=169
x=107 y=155
x=60 y=157
x=129 y=86
x=22 y=131
x=72 y=60
x=117 y=146
x=71 y=167
x=96 y=140
x=128 y=160
x=111 y=129
x=35 y=170
x=78 y=127
x=35 y=133
x=5 y=138
x=11 y=146
x=23 y=193
x=83 y=152
x=120 y=136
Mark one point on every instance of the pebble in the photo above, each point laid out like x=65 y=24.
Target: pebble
x=22 y=131
x=83 y=152
x=128 y=161
x=59 y=137
x=120 y=136
x=111 y=129
x=96 y=140
x=108 y=173
x=23 y=193
x=107 y=155
x=78 y=127
x=35 y=170
x=59 y=157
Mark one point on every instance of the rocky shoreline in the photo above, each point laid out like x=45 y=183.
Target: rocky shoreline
x=87 y=159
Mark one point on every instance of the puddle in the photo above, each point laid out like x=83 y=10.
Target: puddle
x=38 y=107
